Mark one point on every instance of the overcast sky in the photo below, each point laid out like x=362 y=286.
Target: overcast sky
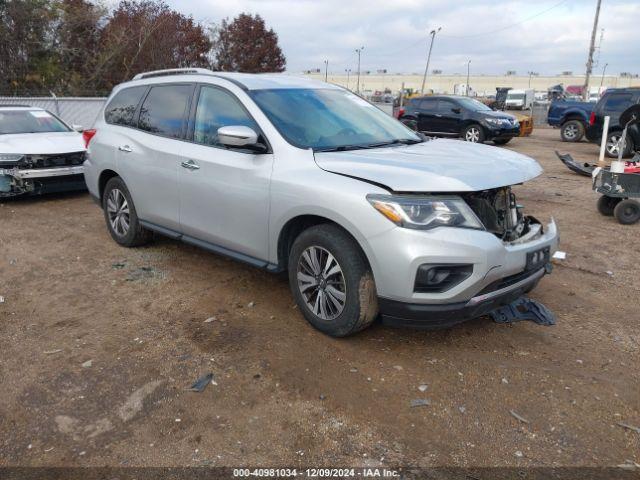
x=545 y=36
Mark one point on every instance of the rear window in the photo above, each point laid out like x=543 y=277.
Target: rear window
x=29 y=121
x=123 y=105
x=163 y=111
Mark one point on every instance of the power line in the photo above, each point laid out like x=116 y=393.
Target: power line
x=506 y=27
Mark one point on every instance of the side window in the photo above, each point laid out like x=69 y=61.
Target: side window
x=163 y=111
x=218 y=108
x=429 y=104
x=123 y=106
x=617 y=102
x=445 y=106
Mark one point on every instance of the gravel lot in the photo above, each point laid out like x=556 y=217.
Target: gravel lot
x=99 y=345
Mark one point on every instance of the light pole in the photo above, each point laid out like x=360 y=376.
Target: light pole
x=602 y=79
x=426 y=68
x=348 y=72
x=468 y=65
x=359 y=52
x=326 y=69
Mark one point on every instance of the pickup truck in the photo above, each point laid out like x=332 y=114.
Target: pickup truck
x=572 y=118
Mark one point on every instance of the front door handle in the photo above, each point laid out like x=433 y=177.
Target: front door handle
x=439 y=115
x=124 y=148
x=190 y=165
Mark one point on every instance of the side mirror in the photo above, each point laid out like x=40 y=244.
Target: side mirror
x=77 y=128
x=456 y=110
x=237 y=136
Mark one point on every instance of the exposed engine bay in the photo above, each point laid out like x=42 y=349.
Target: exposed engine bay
x=501 y=215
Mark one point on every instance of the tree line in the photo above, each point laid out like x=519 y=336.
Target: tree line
x=79 y=47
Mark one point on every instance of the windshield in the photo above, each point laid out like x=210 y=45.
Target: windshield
x=29 y=121
x=472 y=104
x=515 y=96
x=330 y=119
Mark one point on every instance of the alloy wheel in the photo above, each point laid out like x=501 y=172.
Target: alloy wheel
x=472 y=135
x=118 y=212
x=571 y=131
x=612 y=144
x=321 y=283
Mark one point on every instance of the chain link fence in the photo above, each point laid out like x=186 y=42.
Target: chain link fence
x=73 y=110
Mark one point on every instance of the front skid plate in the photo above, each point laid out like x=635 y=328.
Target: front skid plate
x=524 y=309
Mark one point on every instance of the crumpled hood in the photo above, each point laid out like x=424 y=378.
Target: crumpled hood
x=440 y=165
x=41 y=143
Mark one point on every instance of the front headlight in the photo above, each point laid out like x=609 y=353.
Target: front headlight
x=10 y=157
x=497 y=121
x=423 y=213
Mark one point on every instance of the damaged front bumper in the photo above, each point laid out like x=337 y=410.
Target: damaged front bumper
x=24 y=181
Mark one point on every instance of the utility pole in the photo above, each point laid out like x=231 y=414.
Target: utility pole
x=359 y=52
x=592 y=46
x=326 y=69
x=348 y=72
x=468 y=65
x=426 y=68
x=602 y=79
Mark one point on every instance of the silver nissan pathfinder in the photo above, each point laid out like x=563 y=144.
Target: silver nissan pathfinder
x=288 y=174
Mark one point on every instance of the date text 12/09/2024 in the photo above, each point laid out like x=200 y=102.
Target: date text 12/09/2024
x=316 y=472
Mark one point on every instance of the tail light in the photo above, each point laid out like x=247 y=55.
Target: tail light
x=592 y=118
x=400 y=112
x=87 y=135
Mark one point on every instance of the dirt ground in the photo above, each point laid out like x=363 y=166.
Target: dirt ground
x=99 y=344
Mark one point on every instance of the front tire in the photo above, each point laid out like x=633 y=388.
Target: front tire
x=473 y=133
x=572 y=131
x=121 y=217
x=627 y=211
x=331 y=281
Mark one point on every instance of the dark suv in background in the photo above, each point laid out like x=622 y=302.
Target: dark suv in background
x=612 y=103
x=453 y=116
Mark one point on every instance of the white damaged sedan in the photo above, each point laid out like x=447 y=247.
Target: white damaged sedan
x=39 y=153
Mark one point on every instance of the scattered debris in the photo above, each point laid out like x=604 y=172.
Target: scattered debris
x=420 y=402
x=118 y=265
x=579 y=361
x=48 y=449
x=87 y=364
x=1 y=299
x=609 y=272
x=398 y=367
x=629 y=427
x=519 y=417
x=559 y=255
x=251 y=305
x=51 y=352
x=462 y=408
x=322 y=397
x=134 y=403
x=423 y=387
x=505 y=381
x=353 y=370
x=210 y=319
x=519 y=454
x=200 y=384
x=629 y=465
x=178 y=420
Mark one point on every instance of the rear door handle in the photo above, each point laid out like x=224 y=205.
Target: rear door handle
x=124 y=148
x=190 y=165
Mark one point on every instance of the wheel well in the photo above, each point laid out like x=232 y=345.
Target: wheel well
x=295 y=227
x=105 y=176
x=573 y=116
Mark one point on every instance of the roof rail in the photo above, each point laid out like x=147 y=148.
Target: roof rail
x=14 y=105
x=172 y=71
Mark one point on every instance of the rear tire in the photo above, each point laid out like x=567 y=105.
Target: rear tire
x=572 y=131
x=331 y=281
x=627 y=211
x=611 y=149
x=473 y=133
x=606 y=205
x=120 y=215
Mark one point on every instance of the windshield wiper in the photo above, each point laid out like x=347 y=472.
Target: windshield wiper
x=343 y=148
x=397 y=141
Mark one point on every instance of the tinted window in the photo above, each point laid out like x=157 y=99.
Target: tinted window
x=428 y=104
x=163 y=111
x=29 y=121
x=445 y=106
x=617 y=102
x=123 y=106
x=217 y=108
